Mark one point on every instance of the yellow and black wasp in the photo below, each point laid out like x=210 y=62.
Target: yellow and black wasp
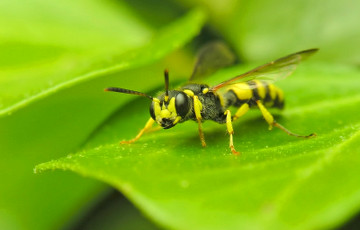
x=200 y=102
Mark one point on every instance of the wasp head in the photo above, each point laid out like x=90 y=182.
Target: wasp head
x=170 y=108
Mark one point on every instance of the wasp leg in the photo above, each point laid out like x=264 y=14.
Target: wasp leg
x=197 y=109
x=241 y=111
x=230 y=131
x=153 y=129
x=147 y=127
x=270 y=120
x=201 y=134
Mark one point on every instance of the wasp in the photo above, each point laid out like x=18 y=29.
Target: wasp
x=200 y=102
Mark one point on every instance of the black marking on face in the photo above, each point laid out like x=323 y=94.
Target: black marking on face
x=167 y=123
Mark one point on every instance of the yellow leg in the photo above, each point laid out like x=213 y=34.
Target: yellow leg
x=270 y=120
x=147 y=127
x=230 y=131
x=153 y=129
x=241 y=111
x=197 y=110
x=267 y=115
x=201 y=134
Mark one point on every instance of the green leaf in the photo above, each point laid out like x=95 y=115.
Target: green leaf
x=68 y=68
x=114 y=211
x=329 y=25
x=53 y=51
x=262 y=30
x=58 y=43
x=279 y=182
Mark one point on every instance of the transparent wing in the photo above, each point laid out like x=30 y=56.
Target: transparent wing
x=211 y=57
x=270 y=72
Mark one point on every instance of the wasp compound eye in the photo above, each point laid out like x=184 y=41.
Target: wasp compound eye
x=152 y=113
x=182 y=104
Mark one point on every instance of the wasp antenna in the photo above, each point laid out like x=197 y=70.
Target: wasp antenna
x=166 y=74
x=127 y=91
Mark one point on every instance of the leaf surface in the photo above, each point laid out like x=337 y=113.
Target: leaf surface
x=262 y=30
x=298 y=25
x=62 y=121
x=55 y=67
x=278 y=182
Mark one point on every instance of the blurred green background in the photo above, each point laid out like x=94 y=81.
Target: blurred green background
x=52 y=54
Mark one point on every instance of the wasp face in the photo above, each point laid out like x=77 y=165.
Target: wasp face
x=167 y=111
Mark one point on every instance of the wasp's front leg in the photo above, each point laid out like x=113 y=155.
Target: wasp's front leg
x=147 y=128
x=197 y=109
x=230 y=131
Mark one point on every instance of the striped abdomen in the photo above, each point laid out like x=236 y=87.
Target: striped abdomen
x=251 y=91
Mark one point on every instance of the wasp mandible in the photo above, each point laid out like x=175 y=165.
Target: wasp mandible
x=200 y=102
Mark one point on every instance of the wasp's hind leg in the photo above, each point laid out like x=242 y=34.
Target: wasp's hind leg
x=241 y=111
x=270 y=120
x=147 y=128
x=230 y=131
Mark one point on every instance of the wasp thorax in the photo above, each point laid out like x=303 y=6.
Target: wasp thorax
x=167 y=111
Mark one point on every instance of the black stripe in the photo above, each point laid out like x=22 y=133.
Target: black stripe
x=232 y=99
x=278 y=103
x=254 y=90
x=267 y=94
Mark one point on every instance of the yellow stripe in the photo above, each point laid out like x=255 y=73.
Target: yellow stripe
x=242 y=91
x=221 y=99
x=272 y=91
x=260 y=88
x=280 y=94
x=197 y=107
x=189 y=92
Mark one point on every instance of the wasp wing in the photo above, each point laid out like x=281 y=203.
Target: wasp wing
x=272 y=71
x=211 y=57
